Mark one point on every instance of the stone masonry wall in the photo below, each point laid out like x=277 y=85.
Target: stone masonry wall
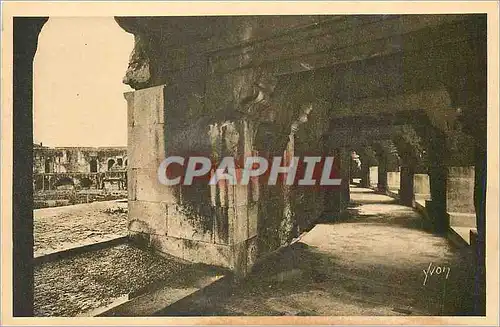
x=237 y=86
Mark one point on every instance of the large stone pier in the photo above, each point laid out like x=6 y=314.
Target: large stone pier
x=388 y=87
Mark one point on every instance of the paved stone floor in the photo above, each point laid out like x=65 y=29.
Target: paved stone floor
x=60 y=228
x=372 y=263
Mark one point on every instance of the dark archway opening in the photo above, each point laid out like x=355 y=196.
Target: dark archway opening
x=93 y=166
x=86 y=183
x=48 y=165
x=65 y=183
x=111 y=163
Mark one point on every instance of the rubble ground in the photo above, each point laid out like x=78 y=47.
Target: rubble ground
x=79 y=284
x=60 y=228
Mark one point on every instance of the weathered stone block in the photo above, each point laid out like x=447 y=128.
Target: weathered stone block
x=221 y=227
x=458 y=219
x=148 y=106
x=252 y=253
x=129 y=96
x=169 y=245
x=393 y=180
x=238 y=224
x=238 y=195
x=239 y=258
x=421 y=187
x=213 y=195
x=188 y=223
x=254 y=189
x=148 y=187
x=222 y=194
x=193 y=251
x=460 y=190
x=373 y=176
x=244 y=255
x=131 y=184
x=147 y=217
x=146 y=146
x=231 y=195
x=253 y=219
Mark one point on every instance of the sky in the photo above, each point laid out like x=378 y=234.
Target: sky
x=78 y=91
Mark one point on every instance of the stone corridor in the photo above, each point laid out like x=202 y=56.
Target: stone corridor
x=404 y=95
x=370 y=263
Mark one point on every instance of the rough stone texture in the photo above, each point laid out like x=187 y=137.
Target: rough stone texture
x=147 y=188
x=60 y=228
x=468 y=220
x=199 y=214
x=406 y=195
x=147 y=217
x=460 y=190
x=79 y=168
x=393 y=180
x=421 y=187
x=193 y=251
x=373 y=177
x=182 y=225
x=270 y=85
x=76 y=159
x=77 y=285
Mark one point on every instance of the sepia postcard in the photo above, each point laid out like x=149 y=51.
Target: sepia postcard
x=250 y=163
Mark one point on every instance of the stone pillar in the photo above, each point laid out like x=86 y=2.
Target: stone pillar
x=366 y=160
x=437 y=205
x=373 y=176
x=335 y=196
x=393 y=180
x=460 y=197
x=210 y=224
x=437 y=158
x=392 y=165
x=25 y=39
x=406 y=195
x=365 y=175
x=382 y=170
x=421 y=187
x=345 y=174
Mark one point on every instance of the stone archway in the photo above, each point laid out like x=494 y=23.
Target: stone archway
x=86 y=183
x=226 y=89
x=111 y=163
x=93 y=165
x=25 y=41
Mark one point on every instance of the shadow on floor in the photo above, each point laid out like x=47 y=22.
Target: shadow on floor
x=370 y=262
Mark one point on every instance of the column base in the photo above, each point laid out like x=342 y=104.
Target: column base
x=439 y=218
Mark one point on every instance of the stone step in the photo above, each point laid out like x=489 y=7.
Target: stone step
x=462 y=219
x=460 y=236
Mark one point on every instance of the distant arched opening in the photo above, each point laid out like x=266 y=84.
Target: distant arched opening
x=93 y=166
x=64 y=183
x=85 y=182
x=48 y=165
x=111 y=163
